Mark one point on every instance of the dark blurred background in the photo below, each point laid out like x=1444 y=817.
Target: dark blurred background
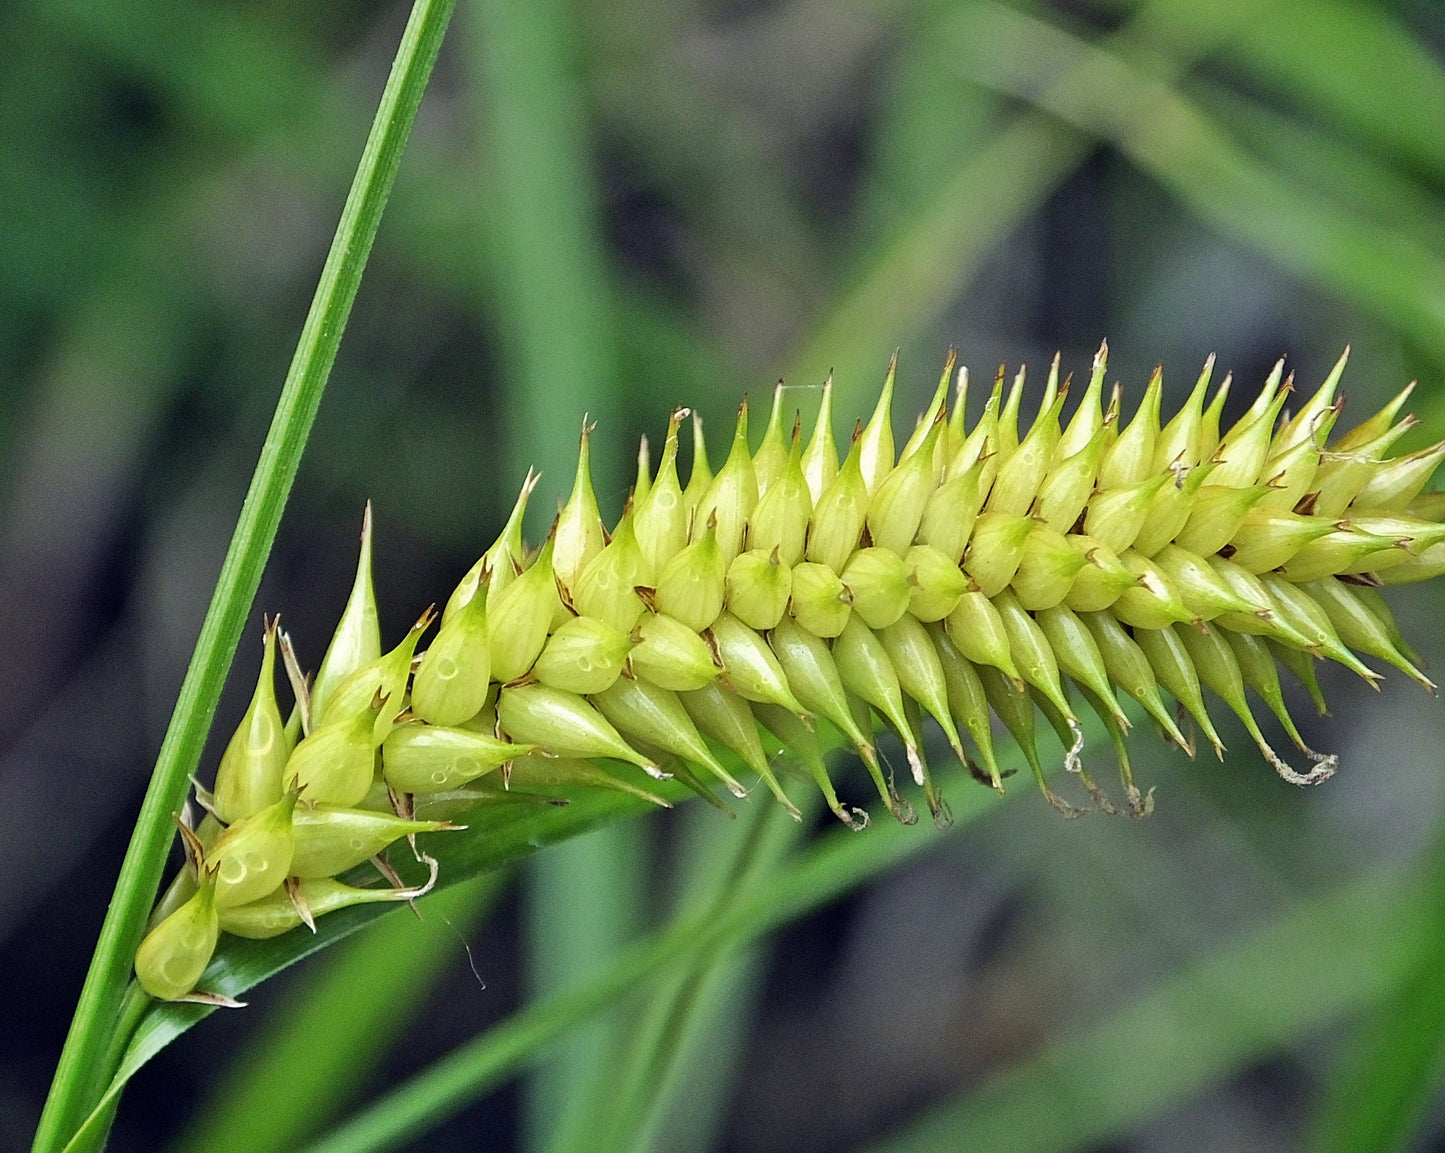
x=616 y=207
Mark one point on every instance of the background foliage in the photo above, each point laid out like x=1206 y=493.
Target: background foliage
x=616 y=207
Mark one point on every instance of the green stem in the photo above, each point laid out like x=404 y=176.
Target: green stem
x=79 y=1077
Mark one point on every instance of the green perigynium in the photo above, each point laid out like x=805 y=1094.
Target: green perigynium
x=796 y=597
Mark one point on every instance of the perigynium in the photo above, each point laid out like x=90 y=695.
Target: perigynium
x=797 y=599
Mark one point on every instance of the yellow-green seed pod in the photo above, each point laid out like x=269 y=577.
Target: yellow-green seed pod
x=249 y=776
x=1064 y=492
x=451 y=685
x=749 y=665
x=1006 y=437
x=1151 y=602
x=584 y=656
x=1417 y=535
x=656 y=716
x=176 y=952
x=278 y=913
x=1346 y=470
x=1116 y=516
x=1296 y=608
x=1178 y=442
x=877 y=583
x=1367 y=432
x=781 y=519
x=539 y=772
x=1429 y=564
x=1267 y=539
x=1359 y=627
x=1397 y=482
x=578 y=535
x=1216 y=516
x=330 y=840
x=812 y=677
x=1345 y=550
x=1170 y=510
x=772 y=455
x=659 y=516
x=1047 y=569
x=335 y=764
x=1256 y=665
x=1219 y=669
x=1130 y=670
x=820 y=602
x=977 y=453
x=692 y=586
x=937 y=412
x=820 y=458
x=433 y=758
x=950 y=514
x=865 y=669
x=1130 y=457
x=1088 y=418
x=1015 y=707
x=606 y=588
x=801 y=744
x=896 y=508
x=1019 y=478
x=1258 y=622
x=1175 y=671
x=875 y=446
x=253 y=856
x=977 y=631
x=501 y=563
x=1374 y=602
x=839 y=515
x=1302 y=665
x=1099 y=583
x=967 y=702
x=1242 y=454
x=727 y=719
x=1035 y=660
x=1204 y=592
x=670 y=655
x=919 y=669
x=995 y=550
x=700 y=477
x=731 y=497
x=357 y=640
x=758 y=588
x=1312 y=423
x=563 y=723
x=1209 y=422
x=379 y=687
x=519 y=616
x=1290 y=476
x=935 y=583
x=1078 y=655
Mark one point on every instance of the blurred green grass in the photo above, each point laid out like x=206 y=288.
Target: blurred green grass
x=620 y=207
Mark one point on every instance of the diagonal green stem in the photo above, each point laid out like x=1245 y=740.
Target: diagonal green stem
x=81 y=1074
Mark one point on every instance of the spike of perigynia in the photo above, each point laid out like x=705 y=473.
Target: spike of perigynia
x=984 y=573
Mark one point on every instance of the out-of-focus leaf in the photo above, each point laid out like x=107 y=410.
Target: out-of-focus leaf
x=1327 y=956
